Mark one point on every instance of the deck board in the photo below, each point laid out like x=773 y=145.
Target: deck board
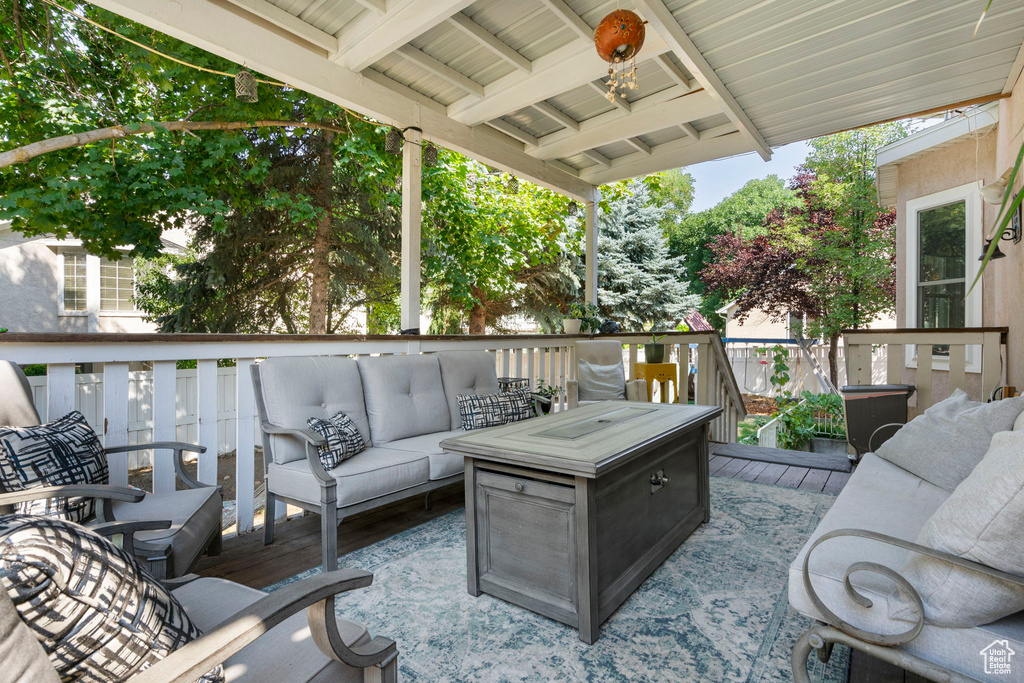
x=823 y=461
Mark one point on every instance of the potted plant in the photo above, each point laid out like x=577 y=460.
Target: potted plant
x=582 y=318
x=654 y=352
x=545 y=395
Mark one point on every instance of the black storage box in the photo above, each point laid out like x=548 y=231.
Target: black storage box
x=870 y=406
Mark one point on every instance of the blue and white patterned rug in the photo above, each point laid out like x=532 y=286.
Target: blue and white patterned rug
x=716 y=610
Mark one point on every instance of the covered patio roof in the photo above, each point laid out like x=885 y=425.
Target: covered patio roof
x=517 y=83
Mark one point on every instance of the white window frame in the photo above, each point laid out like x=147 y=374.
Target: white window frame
x=92 y=289
x=105 y=313
x=61 y=279
x=974 y=235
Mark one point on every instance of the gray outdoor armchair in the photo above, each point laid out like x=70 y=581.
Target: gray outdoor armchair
x=193 y=515
x=586 y=388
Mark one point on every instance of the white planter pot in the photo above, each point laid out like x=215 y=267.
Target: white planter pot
x=571 y=325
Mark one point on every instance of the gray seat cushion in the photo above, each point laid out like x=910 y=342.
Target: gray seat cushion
x=195 y=515
x=297 y=388
x=884 y=498
x=466 y=372
x=404 y=396
x=284 y=653
x=24 y=659
x=442 y=463
x=371 y=474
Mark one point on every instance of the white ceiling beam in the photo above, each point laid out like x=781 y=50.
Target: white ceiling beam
x=597 y=157
x=602 y=89
x=374 y=39
x=491 y=42
x=574 y=21
x=556 y=115
x=378 y=6
x=662 y=21
x=228 y=32
x=440 y=69
x=669 y=67
x=513 y=132
x=639 y=145
x=690 y=130
x=277 y=16
x=674 y=154
x=556 y=73
x=611 y=126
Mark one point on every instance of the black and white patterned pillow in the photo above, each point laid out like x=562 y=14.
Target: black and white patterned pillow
x=65 y=451
x=343 y=439
x=491 y=410
x=98 y=615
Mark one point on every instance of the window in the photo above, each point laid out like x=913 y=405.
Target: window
x=74 y=282
x=117 y=285
x=944 y=236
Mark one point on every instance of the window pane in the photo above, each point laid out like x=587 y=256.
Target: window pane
x=117 y=285
x=74 y=282
x=943 y=243
x=941 y=306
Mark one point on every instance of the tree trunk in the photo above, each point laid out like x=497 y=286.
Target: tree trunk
x=319 y=268
x=478 y=320
x=833 y=359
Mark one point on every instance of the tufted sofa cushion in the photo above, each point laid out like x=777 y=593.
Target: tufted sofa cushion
x=404 y=396
x=466 y=372
x=297 y=388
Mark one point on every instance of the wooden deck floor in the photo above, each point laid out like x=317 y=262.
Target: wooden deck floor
x=296 y=546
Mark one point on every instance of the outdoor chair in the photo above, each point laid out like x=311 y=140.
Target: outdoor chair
x=258 y=637
x=600 y=375
x=194 y=514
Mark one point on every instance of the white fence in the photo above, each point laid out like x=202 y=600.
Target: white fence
x=216 y=405
x=753 y=370
x=89 y=400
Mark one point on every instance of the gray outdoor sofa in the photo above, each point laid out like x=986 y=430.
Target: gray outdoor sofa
x=404 y=407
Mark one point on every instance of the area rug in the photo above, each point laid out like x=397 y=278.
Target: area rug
x=716 y=610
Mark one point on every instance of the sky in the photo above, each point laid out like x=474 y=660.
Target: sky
x=716 y=180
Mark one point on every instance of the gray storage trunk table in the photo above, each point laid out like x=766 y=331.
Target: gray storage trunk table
x=567 y=514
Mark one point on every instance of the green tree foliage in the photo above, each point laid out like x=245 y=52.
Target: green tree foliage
x=639 y=282
x=743 y=212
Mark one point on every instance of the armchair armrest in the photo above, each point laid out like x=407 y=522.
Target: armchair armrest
x=572 y=394
x=178 y=447
x=103 y=493
x=636 y=390
x=315 y=594
x=126 y=530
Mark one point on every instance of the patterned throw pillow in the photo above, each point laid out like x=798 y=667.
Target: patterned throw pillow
x=65 y=451
x=492 y=410
x=98 y=615
x=343 y=439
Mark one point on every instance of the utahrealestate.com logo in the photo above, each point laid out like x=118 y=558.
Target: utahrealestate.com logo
x=997 y=658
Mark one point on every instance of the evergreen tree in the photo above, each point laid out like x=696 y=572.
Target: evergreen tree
x=638 y=281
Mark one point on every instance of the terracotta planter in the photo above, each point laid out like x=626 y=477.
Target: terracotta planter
x=654 y=353
x=571 y=325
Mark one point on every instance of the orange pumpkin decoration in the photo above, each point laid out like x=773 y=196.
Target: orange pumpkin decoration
x=619 y=36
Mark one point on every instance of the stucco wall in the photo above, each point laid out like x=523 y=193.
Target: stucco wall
x=1008 y=273
x=758 y=325
x=29 y=292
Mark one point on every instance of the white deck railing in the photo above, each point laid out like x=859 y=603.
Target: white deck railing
x=213 y=405
x=971 y=359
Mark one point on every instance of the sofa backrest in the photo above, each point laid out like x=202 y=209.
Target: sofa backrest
x=294 y=389
x=466 y=372
x=17 y=408
x=404 y=396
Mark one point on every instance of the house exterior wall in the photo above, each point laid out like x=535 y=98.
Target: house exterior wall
x=758 y=325
x=30 y=281
x=1008 y=273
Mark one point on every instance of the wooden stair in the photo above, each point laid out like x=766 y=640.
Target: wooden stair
x=779 y=456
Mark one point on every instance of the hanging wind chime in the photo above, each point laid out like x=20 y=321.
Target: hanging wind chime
x=245 y=87
x=618 y=39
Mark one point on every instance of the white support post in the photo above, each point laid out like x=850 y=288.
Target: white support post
x=245 y=434
x=115 y=419
x=590 y=252
x=206 y=375
x=165 y=378
x=60 y=390
x=412 y=214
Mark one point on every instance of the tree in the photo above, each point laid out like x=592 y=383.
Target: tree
x=742 y=212
x=638 y=281
x=832 y=257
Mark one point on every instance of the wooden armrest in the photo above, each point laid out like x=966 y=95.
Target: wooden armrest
x=308 y=435
x=234 y=633
x=102 y=491
x=178 y=447
x=127 y=531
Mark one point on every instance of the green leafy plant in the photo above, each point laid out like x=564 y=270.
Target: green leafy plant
x=748 y=429
x=548 y=391
x=816 y=415
x=780 y=368
x=656 y=338
x=588 y=314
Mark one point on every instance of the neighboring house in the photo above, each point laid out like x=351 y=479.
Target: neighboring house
x=52 y=285
x=934 y=178
x=761 y=326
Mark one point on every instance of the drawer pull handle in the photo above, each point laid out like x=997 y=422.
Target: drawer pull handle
x=519 y=487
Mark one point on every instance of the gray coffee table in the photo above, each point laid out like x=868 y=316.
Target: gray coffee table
x=566 y=515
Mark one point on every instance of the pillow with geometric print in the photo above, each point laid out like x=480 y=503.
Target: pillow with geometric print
x=65 y=451
x=343 y=439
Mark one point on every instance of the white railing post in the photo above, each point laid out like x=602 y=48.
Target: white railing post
x=991 y=365
x=206 y=377
x=115 y=419
x=60 y=390
x=164 y=417
x=245 y=453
